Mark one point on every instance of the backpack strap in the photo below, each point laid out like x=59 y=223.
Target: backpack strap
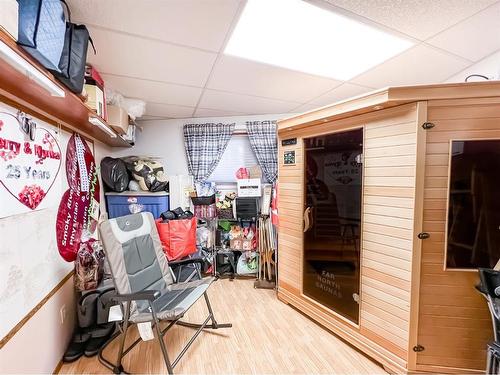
x=67 y=9
x=91 y=43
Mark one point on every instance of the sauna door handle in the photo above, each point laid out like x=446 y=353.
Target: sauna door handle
x=308 y=219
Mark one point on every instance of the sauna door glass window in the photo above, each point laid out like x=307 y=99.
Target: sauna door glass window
x=473 y=232
x=332 y=221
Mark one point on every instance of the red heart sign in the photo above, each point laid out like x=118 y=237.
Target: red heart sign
x=28 y=169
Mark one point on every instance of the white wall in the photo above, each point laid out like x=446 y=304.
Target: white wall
x=164 y=138
x=39 y=345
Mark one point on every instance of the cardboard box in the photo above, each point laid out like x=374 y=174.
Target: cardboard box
x=250 y=187
x=9 y=17
x=95 y=99
x=118 y=119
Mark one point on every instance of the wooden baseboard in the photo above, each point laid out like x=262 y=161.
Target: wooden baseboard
x=58 y=367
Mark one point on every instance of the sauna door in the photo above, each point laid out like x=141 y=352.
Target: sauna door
x=332 y=220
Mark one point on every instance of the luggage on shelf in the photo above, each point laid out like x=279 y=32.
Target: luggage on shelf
x=42 y=28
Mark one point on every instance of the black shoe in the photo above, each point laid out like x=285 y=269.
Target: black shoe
x=76 y=347
x=99 y=337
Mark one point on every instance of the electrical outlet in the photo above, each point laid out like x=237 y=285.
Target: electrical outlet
x=62 y=314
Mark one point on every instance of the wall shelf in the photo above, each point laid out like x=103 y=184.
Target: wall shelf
x=70 y=112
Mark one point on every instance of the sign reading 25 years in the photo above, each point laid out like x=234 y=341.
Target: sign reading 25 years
x=30 y=159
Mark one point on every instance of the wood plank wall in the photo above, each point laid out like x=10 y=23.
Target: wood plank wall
x=387 y=222
x=291 y=208
x=454 y=324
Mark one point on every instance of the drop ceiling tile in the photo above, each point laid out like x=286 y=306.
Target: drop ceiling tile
x=202 y=24
x=153 y=91
x=420 y=19
x=168 y=110
x=247 y=77
x=305 y=108
x=473 y=38
x=419 y=65
x=342 y=92
x=206 y=112
x=243 y=103
x=132 y=56
x=489 y=67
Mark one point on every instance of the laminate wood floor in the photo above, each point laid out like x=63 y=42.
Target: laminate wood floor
x=268 y=337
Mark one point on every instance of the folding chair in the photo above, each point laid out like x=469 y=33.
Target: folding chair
x=145 y=286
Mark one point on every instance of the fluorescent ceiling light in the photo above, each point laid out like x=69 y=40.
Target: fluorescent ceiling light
x=20 y=64
x=297 y=35
x=101 y=124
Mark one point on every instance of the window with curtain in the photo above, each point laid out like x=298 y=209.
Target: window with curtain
x=238 y=154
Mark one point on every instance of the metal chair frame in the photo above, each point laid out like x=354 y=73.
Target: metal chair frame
x=150 y=296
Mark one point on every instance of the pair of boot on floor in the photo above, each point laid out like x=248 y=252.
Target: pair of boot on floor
x=93 y=327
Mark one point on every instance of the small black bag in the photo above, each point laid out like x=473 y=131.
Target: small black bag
x=74 y=55
x=114 y=174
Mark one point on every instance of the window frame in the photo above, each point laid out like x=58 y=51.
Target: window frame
x=450 y=155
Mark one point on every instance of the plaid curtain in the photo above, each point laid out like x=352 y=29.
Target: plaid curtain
x=262 y=135
x=205 y=144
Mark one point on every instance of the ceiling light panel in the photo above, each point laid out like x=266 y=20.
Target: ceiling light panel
x=300 y=36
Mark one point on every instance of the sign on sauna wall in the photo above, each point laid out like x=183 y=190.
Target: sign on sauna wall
x=30 y=161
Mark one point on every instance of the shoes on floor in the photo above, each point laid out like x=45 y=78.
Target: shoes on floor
x=76 y=347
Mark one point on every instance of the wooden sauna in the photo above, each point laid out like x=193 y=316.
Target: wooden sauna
x=388 y=203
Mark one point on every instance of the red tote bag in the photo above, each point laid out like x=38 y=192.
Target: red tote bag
x=178 y=237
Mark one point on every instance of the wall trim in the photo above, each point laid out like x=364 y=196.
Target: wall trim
x=58 y=367
x=34 y=310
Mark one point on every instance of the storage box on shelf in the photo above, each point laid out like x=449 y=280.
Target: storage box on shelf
x=118 y=119
x=95 y=99
x=19 y=90
x=96 y=94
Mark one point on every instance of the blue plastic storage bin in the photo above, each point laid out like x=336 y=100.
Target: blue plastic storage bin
x=118 y=204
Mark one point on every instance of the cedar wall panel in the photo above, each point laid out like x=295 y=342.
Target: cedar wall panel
x=387 y=225
x=387 y=221
x=290 y=201
x=454 y=325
